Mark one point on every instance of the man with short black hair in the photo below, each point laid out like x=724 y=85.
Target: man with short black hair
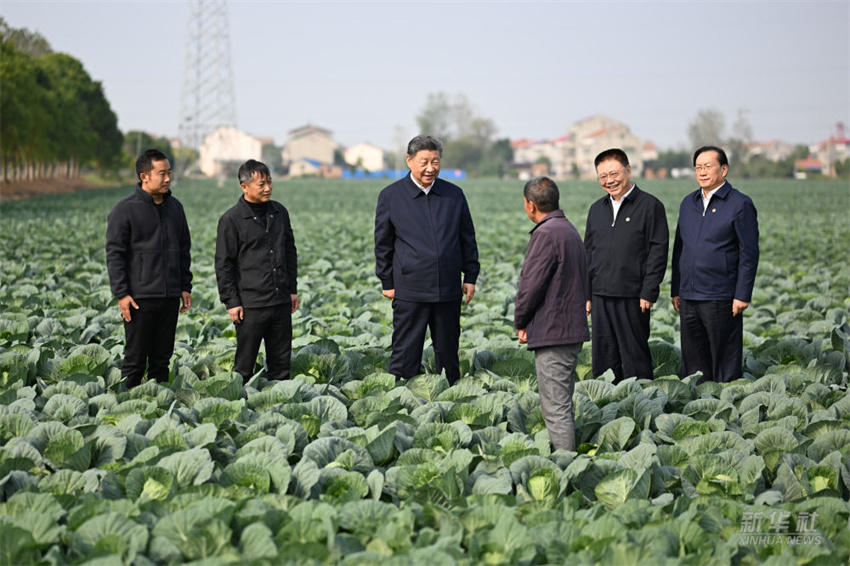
x=549 y=313
x=424 y=243
x=256 y=267
x=715 y=258
x=148 y=257
x=626 y=239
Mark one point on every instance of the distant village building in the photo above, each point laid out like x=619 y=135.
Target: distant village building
x=309 y=142
x=773 y=150
x=592 y=136
x=311 y=168
x=828 y=152
x=226 y=146
x=528 y=153
x=572 y=155
x=365 y=156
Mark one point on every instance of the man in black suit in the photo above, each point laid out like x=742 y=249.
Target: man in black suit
x=424 y=242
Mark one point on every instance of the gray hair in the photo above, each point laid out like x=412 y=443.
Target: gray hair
x=543 y=192
x=424 y=142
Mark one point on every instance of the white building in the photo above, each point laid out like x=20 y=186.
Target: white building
x=227 y=145
x=310 y=142
x=365 y=156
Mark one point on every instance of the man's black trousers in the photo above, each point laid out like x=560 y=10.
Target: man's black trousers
x=620 y=338
x=712 y=340
x=272 y=325
x=149 y=340
x=409 y=322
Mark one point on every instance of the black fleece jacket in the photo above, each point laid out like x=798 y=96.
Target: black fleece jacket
x=148 y=247
x=256 y=262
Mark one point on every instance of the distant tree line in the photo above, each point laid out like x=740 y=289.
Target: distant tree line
x=56 y=119
x=468 y=139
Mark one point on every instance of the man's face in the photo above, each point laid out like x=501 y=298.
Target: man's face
x=258 y=190
x=424 y=166
x=710 y=174
x=156 y=182
x=614 y=178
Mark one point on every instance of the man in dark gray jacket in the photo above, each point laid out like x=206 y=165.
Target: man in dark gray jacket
x=549 y=313
x=256 y=267
x=148 y=259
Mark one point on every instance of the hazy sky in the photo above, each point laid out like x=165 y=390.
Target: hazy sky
x=364 y=69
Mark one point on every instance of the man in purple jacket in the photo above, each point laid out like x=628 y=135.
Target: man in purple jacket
x=424 y=242
x=715 y=257
x=549 y=312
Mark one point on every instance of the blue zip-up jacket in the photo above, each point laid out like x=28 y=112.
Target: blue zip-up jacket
x=423 y=243
x=716 y=254
x=148 y=247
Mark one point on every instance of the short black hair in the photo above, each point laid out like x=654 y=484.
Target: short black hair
x=543 y=192
x=424 y=142
x=721 y=155
x=247 y=170
x=144 y=163
x=614 y=153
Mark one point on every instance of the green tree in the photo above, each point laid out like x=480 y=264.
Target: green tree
x=55 y=118
x=30 y=42
x=706 y=128
x=135 y=142
x=467 y=138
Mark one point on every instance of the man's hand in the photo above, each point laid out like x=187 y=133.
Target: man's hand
x=124 y=303
x=295 y=302
x=186 y=297
x=738 y=307
x=388 y=293
x=587 y=308
x=236 y=314
x=522 y=335
x=676 y=303
x=645 y=305
x=469 y=291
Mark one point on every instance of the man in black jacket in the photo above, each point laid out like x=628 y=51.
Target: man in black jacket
x=148 y=259
x=626 y=240
x=256 y=267
x=424 y=241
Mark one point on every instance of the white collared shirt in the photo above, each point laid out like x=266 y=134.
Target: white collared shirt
x=425 y=190
x=706 y=198
x=616 y=204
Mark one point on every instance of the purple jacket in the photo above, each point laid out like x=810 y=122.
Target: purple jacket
x=550 y=300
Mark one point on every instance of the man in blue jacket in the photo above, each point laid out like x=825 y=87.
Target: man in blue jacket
x=549 y=313
x=424 y=242
x=148 y=259
x=256 y=268
x=715 y=257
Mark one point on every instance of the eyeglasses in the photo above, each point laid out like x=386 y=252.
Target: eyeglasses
x=705 y=168
x=614 y=176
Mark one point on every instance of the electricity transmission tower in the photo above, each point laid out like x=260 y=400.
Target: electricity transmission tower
x=207 y=97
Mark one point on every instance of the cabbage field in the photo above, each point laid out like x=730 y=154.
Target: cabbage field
x=342 y=466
